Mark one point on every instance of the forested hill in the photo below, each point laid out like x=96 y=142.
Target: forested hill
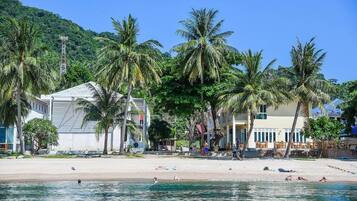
x=81 y=45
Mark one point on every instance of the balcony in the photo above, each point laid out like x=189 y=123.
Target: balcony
x=241 y=118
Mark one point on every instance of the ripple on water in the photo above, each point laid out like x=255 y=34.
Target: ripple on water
x=98 y=190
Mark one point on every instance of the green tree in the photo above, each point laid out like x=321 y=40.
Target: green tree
x=306 y=86
x=158 y=130
x=204 y=51
x=78 y=73
x=349 y=107
x=22 y=69
x=8 y=107
x=177 y=98
x=252 y=88
x=105 y=110
x=125 y=61
x=40 y=133
x=322 y=129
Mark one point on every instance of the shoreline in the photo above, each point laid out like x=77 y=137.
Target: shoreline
x=165 y=169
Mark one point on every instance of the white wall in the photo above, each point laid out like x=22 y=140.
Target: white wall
x=72 y=135
x=86 y=141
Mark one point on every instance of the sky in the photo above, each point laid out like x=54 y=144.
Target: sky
x=272 y=26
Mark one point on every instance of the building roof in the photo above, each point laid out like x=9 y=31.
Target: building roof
x=79 y=91
x=331 y=109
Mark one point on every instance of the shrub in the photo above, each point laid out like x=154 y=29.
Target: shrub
x=39 y=133
x=182 y=143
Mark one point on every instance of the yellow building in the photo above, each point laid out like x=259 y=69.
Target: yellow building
x=272 y=127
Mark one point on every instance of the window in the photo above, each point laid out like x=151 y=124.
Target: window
x=259 y=137
x=294 y=137
x=286 y=137
x=2 y=135
x=266 y=136
x=255 y=136
x=270 y=137
x=262 y=114
x=301 y=137
x=274 y=137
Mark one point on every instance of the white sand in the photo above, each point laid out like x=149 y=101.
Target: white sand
x=186 y=169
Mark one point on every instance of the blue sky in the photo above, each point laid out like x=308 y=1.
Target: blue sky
x=272 y=26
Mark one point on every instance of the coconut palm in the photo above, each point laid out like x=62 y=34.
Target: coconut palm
x=203 y=53
x=251 y=88
x=126 y=61
x=8 y=107
x=107 y=110
x=307 y=88
x=22 y=69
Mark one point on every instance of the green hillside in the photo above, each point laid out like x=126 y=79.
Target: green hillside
x=81 y=45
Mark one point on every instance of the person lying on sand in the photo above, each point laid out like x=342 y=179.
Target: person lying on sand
x=284 y=170
x=176 y=178
x=301 y=179
x=266 y=168
x=289 y=178
x=323 y=180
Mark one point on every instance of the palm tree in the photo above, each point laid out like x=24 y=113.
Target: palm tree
x=306 y=85
x=203 y=53
x=8 y=107
x=22 y=67
x=251 y=88
x=125 y=61
x=105 y=109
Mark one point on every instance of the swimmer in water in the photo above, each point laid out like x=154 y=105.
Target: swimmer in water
x=155 y=180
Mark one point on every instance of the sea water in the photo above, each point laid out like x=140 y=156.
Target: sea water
x=115 y=190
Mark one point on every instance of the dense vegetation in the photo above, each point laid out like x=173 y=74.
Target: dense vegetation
x=81 y=45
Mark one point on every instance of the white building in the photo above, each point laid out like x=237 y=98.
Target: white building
x=271 y=126
x=8 y=135
x=62 y=109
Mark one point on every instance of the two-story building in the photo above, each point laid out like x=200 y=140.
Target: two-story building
x=272 y=126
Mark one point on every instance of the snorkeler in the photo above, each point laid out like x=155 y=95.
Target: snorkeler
x=155 y=180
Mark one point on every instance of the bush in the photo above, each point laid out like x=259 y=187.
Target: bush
x=182 y=143
x=39 y=133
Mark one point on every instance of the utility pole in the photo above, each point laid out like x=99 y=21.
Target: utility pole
x=63 y=64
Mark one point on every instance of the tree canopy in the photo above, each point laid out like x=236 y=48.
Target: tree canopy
x=40 y=133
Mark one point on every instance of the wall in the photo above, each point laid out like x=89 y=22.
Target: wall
x=87 y=141
x=76 y=135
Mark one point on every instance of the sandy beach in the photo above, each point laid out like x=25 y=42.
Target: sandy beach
x=166 y=168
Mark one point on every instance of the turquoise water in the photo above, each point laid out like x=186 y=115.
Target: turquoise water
x=177 y=191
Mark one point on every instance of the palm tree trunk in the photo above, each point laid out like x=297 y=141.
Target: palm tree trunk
x=202 y=114
x=123 y=130
x=105 y=150
x=203 y=109
x=19 y=120
x=287 y=152
x=251 y=125
x=217 y=137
